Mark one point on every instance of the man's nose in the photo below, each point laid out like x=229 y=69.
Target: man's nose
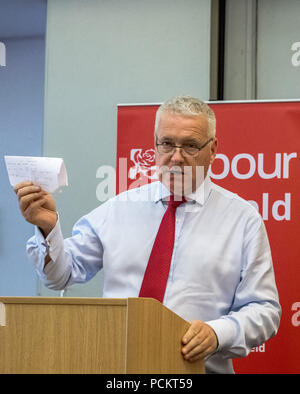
x=177 y=156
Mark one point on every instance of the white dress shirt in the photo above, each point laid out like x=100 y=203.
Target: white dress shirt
x=221 y=270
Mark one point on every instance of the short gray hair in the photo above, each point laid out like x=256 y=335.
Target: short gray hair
x=188 y=105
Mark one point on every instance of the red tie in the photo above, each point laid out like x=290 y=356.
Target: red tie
x=157 y=271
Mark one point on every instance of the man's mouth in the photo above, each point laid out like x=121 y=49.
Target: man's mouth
x=178 y=172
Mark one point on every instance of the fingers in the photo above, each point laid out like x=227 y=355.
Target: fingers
x=27 y=200
x=20 y=185
x=193 y=330
x=28 y=194
x=29 y=212
x=199 y=351
x=37 y=206
x=194 y=342
x=26 y=189
x=199 y=341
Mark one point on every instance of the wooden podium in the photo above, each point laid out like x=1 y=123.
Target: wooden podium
x=91 y=335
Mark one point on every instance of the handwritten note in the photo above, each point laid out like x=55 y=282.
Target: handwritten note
x=48 y=172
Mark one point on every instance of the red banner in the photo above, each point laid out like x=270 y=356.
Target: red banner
x=258 y=158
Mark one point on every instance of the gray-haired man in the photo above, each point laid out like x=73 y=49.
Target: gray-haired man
x=221 y=275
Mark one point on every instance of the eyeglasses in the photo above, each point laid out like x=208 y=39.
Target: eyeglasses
x=188 y=149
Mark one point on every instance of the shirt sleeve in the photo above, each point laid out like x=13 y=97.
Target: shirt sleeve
x=255 y=312
x=73 y=260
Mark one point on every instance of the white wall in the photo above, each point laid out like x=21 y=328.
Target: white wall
x=258 y=55
x=240 y=50
x=278 y=28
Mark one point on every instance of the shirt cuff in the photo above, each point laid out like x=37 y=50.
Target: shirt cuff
x=53 y=243
x=225 y=332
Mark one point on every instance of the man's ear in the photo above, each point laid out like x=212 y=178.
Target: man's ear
x=213 y=150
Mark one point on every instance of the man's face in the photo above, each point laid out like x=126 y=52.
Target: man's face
x=183 y=131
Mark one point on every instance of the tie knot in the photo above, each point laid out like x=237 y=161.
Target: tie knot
x=175 y=202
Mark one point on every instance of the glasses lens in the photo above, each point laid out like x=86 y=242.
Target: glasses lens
x=191 y=151
x=186 y=150
x=165 y=148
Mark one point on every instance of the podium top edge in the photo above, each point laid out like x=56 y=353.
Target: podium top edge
x=65 y=300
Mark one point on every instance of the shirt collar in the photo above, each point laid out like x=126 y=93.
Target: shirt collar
x=200 y=195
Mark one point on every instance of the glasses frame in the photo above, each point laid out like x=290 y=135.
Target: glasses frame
x=181 y=147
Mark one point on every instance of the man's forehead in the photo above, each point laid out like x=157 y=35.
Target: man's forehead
x=182 y=125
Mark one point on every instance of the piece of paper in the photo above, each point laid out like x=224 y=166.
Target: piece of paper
x=48 y=172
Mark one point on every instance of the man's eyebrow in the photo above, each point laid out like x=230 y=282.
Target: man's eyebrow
x=186 y=140
x=191 y=139
x=165 y=139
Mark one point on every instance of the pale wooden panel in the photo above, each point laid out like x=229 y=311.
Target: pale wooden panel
x=154 y=336
x=63 y=336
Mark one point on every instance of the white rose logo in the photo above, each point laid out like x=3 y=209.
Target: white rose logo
x=144 y=163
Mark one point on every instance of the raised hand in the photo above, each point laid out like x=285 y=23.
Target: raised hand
x=37 y=206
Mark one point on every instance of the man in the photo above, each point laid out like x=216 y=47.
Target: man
x=220 y=276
